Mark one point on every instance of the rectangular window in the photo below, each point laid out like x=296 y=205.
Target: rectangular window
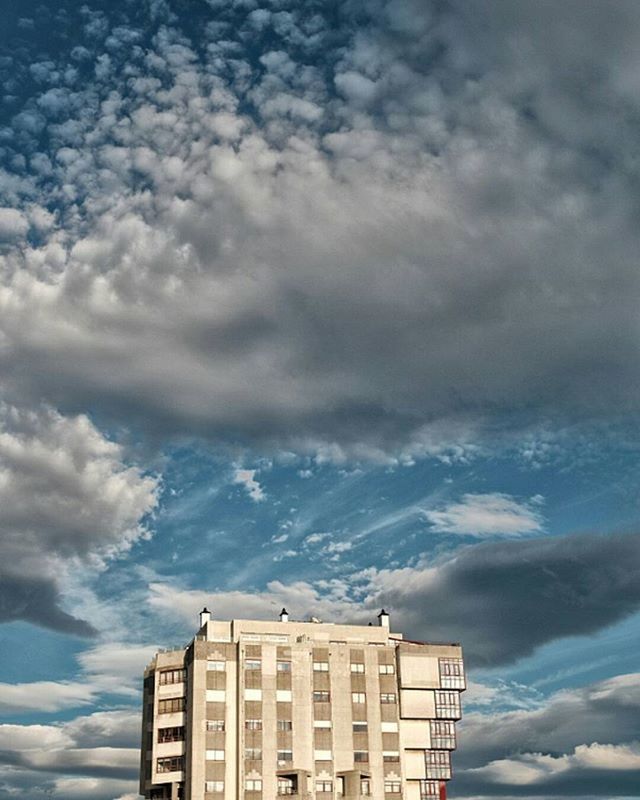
x=321 y=697
x=253 y=724
x=387 y=697
x=170 y=705
x=253 y=753
x=253 y=664
x=286 y=786
x=451 y=673
x=365 y=787
x=322 y=755
x=438 y=764
x=358 y=697
x=172 y=764
x=386 y=669
x=168 y=676
x=285 y=725
x=392 y=787
x=253 y=785
x=429 y=789
x=321 y=666
x=357 y=667
x=284 y=666
x=360 y=755
x=283 y=695
x=215 y=724
x=443 y=734
x=215 y=666
x=339 y=785
x=448 y=705
x=214 y=755
x=324 y=787
x=285 y=755
x=170 y=734
x=360 y=726
x=389 y=756
x=214 y=786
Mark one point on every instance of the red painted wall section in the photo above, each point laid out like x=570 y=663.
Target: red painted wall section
x=443 y=790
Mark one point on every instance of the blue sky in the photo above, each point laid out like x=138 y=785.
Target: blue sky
x=330 y=305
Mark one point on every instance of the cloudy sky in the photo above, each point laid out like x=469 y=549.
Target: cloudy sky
x=330 y=304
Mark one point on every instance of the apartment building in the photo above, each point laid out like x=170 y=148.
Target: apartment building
x=253 y=710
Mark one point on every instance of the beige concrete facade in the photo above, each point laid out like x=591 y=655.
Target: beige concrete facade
x=253 y=710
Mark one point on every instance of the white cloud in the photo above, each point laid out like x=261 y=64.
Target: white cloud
x=488 y=515
x=45 y=696
x=13 y=224
x=67 y=498
x=247 y=478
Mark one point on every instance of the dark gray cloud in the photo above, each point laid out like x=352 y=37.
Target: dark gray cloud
x=38 y=602
x=344 y=233
x=505 y=599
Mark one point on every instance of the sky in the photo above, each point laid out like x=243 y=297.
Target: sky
x=334 y=305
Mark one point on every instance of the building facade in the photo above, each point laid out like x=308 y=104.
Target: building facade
x=253 y=710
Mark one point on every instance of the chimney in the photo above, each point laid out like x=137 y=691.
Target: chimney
x=205 y=616
x=383 y=619
x=284 y=615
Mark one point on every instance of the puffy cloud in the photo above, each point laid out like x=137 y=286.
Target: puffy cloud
x=67 y=498
x=45 y=696
x=247 y=478
x=13 y=224
x=487 y=514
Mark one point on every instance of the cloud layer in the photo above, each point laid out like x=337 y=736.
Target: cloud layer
x=338 y=235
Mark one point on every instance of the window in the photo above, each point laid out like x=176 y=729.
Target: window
x=339 y=784
x=214 y=786
x=324 y=786
x=360 y=726
x=443 y=734
x=172 y=676
x=438 y=764
x=170 y=734
x=286 y=786
x=386 y=669
x=356 y=667
x=253 y=664
x=448 y=705
x=321 y=666
x=214 y=755
x=451 y=673
x=358 y=697
x=387 y=697
x=321 y=697
x=253 y=724
x=170 y=705
x=215 y=724
x=392 y=787
x=215 y=666
x=172 y=764
x=390 y=755
x=365 y=787
x=360 y=755
x=285 y=725
x=253 y=785
x=285 y=755
x=284 y=666
x=429 y=789
x=253 y=753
